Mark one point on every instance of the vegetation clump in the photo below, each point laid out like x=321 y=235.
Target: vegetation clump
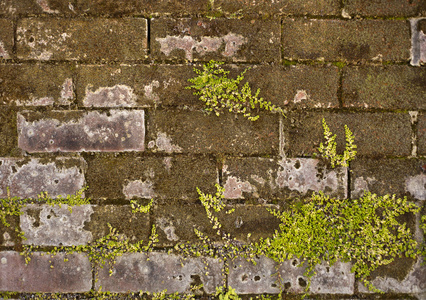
x=220 y=93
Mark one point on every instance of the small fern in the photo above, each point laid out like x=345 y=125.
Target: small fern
x=221 y=93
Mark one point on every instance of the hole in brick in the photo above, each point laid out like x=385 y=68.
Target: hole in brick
x=290 y=178
x=319 y=289
x=179 y=277
x=235 y=266
x=51 y=142
x=48 y=217
x=287 y=285
x=297 y=165
x=328 y=269
x=56 y=181
x=302 y=282
x=244 y=277
x=196 y=280
x=294 y=263
x=14 y=169
x=31 y=39
x=256 y=278
x=274 y=285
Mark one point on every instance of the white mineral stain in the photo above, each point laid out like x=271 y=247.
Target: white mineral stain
x=234 y=188
x=149 y=91
x=118 y=95
x=164 y=143
x=416 y=186
x=3 y=53
x=140 y=189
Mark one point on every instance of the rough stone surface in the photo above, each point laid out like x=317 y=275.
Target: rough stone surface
x=403 y=177
x=384 y=8
x=353 y=40
x=162 y=177
x=28 y=178
x=272 y=7
x=392 y=87
x=265 y=178
x=219 y=39
x=8 y=236
x=421 y=134
x=134 y=272
x=384 y=133
x=195 y=132
x=65 y=39
x=46 y=7
x=36 y=85
x=8 y=132
x=45 y=273
x=74 y=131
x=6 y=39
x=418 y=41
x=47 y=225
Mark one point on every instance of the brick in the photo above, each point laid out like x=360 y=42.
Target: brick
x=31 y=7
x=352 y=41
x=76 y=131
x=195 y=132
x=384 y=8
x=134 y=272
x=263 y=178
x=219 y=39
x=26 y=178
x=135 y=86
x=376 y=134
x=6 y=39
x=73 y=276
x=268 y=7
x=150 y=177
x=36 y=85
x=421 y=134
x=113 y=7
x=8 y=236
x=402 y=177
x=65 y=39
x=391 y=87
x=8 y=132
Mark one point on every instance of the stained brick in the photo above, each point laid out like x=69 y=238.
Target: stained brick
x=45 y=273
x=150 y=177
x=219 y=39
x=376 y=134
x=30 y=7
x=8 y=132
x=36 y=85
x=418 y=41
x=263 y=178
x=392 y=87
x=195 y=132
x=395 y=176
x=383 y=8
x=157 y=271
x=268 y=7
x=353 y=40
x=74 y=131
x=26 y=178
x=72 y=39
x=6 y=39
x=421 y=134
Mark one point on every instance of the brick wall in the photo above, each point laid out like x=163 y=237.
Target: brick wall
x=92 y=93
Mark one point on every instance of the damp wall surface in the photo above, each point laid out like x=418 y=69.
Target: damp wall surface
x=92 y=93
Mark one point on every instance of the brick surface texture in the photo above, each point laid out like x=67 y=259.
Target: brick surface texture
x=93 y=96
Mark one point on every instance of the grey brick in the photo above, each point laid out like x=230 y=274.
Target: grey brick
x=353 y=40
x=219 y=39
x=75 y=131
x=26 y=178
x=45 y=273
x=65 y=39
x=6 y=39
x=157 y=271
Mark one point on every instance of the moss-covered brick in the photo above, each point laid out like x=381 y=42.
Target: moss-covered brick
x=403 y=177
x=390 y=87
x=385 y=8
x=97 y=39
x=6 y=39
x=269 y=8
x=421 y=134
x=149 y=177
x=8 y=132
x=220 y=39
x=351 y=40
x=376 y=134
x=36 y=85
x=196 y=132
x=8 y=236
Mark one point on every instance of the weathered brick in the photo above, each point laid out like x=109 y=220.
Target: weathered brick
x=26 y=178
x=31 y=7
x=383 y=8
x=395 y=176
x=418 y=41
x=157 y=271
x=150 y=177
x=6 y=39
x=353 y=40
x=375 y=134
x=8 y=235
x=76 y=131
x=8 y=132
x=268 y=7
x=195 y=132
x=391 y=87
x=47 y=225
x=36 y=85
x=421 y=134
x=268 y=179
x=72 y=39
x=219 y=39
x=45 y=273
